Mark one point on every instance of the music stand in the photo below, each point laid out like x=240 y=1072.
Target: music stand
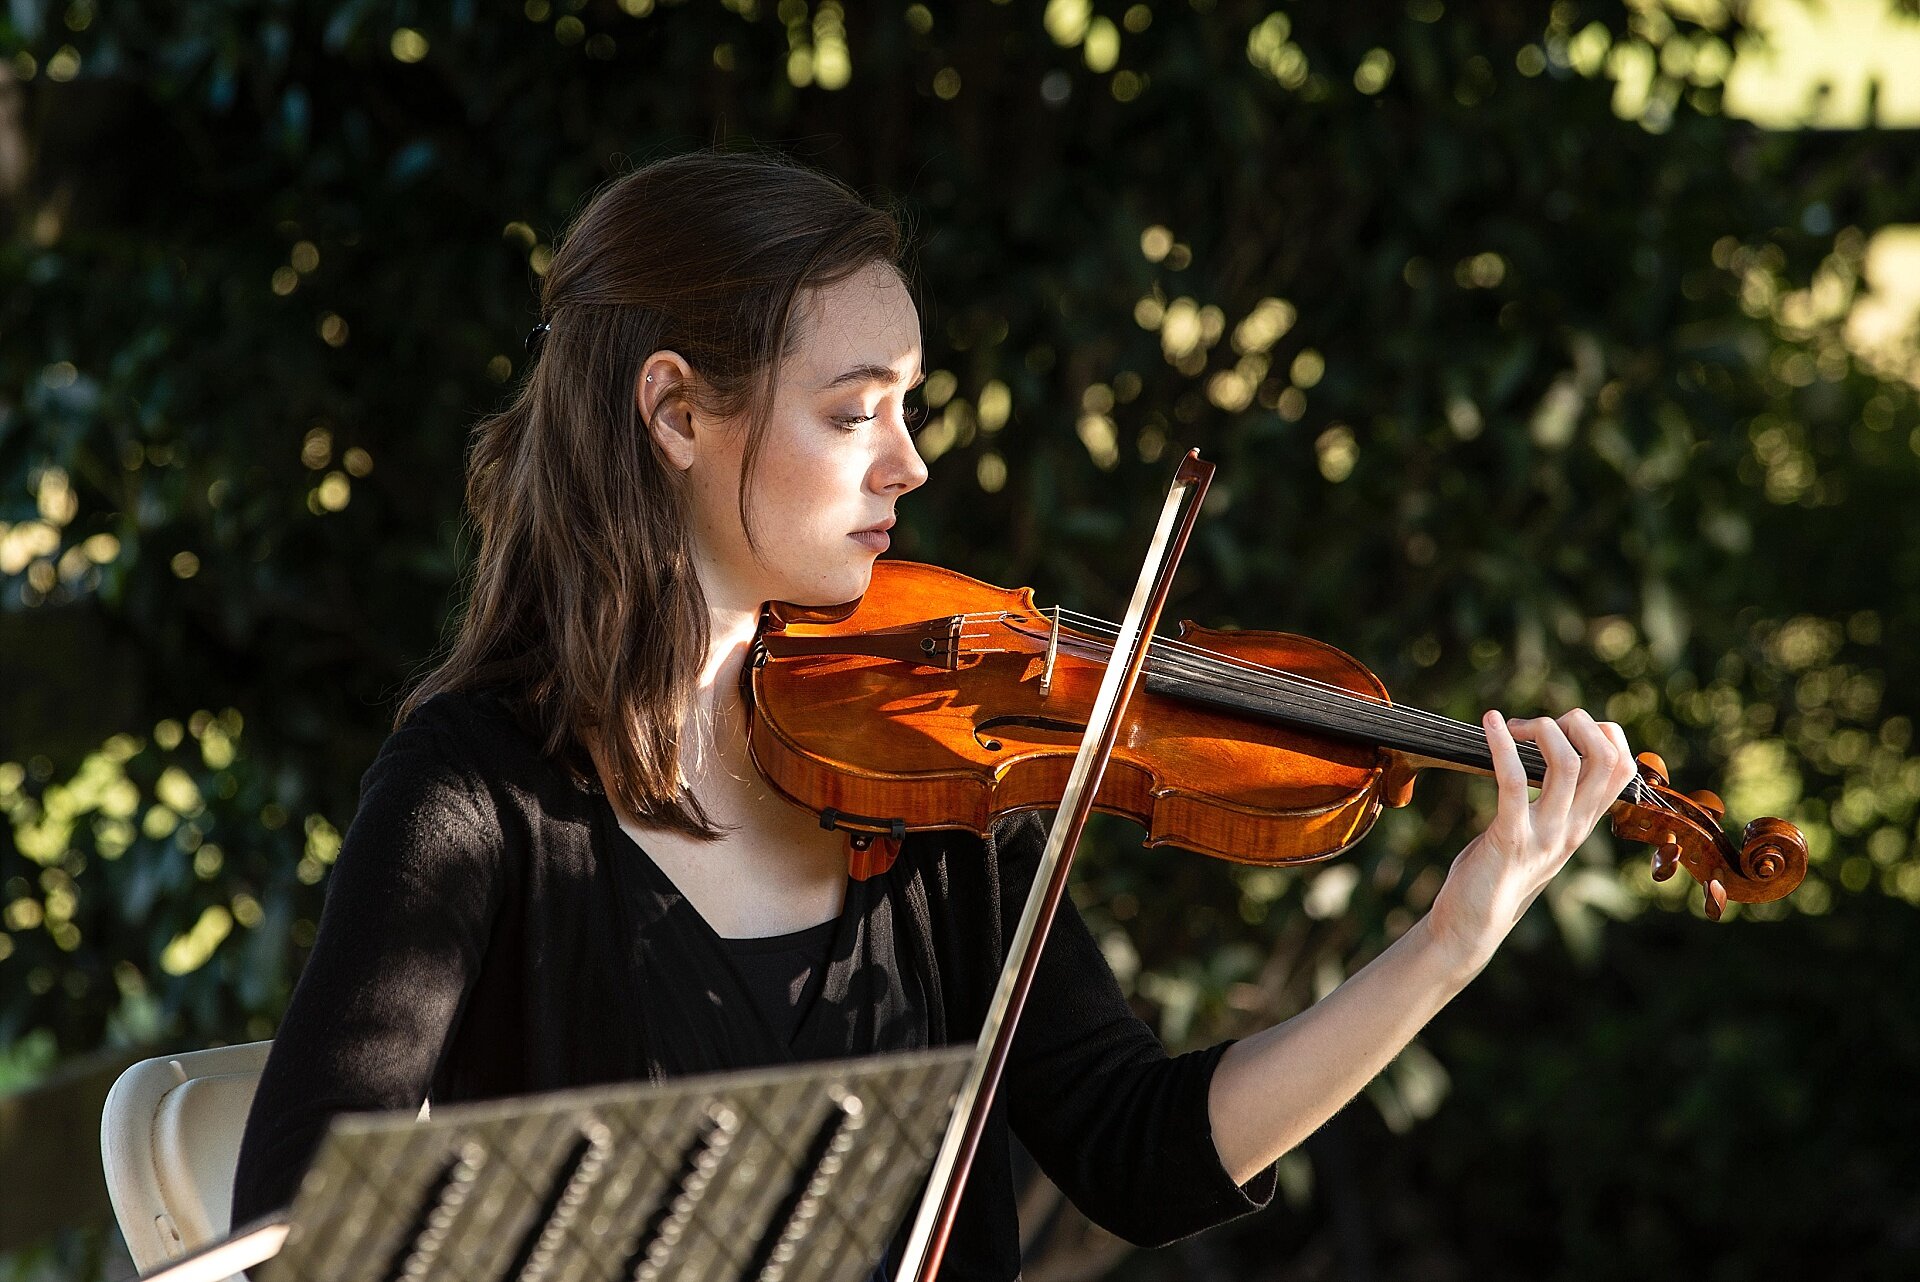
x=799 y=1173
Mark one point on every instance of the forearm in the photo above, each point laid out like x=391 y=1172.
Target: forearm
x=1273 y=1089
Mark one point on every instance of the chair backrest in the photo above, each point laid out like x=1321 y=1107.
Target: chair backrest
x=169 y=1140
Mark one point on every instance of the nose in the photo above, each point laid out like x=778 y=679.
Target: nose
x=899 y=467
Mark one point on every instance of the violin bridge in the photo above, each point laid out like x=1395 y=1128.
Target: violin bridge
x=1053 y=652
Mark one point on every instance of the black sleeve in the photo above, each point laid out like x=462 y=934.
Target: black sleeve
x=1119 y=1125
x=408 y=909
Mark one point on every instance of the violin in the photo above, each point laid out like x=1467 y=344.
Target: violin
x=940 y=701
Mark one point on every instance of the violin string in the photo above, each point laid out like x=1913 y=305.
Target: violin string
x=1275 y=683
x=1455 y=731
x=1357 y=713
x=1332 y=694
x=1360 y=713
x=1458 y=731
x=1373 y=713
x=1363 y=712
x=1366 y=713
x=1267 y=678
x=1378 y=715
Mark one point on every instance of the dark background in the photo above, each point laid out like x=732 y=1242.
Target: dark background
x=1527 y=389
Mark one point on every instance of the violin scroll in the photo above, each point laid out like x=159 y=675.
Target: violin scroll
x=1684 y=830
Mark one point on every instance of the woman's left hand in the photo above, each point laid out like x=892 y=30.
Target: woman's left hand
x=1503 y=870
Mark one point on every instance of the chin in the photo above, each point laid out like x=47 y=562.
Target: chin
x=845 y=583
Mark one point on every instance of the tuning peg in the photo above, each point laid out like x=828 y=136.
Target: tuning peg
x=1655 y=764
x=1716 y=899
x=1666 y=860
x=1710 y=801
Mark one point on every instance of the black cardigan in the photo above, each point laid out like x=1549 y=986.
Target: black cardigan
x=489 y=930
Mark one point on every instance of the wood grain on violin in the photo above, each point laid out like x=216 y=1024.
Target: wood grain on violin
x=939 y=701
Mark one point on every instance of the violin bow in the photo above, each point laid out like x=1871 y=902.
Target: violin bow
x=933 y=1224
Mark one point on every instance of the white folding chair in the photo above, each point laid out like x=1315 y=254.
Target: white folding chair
x=169 y=1140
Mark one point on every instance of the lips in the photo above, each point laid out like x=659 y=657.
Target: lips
x=874 y=537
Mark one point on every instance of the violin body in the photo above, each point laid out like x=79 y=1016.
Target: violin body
x=997 y=732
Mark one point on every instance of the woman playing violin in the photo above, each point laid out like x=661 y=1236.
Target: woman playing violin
x=565 y=868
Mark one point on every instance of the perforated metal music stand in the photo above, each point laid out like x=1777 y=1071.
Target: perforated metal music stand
x=793 y=1174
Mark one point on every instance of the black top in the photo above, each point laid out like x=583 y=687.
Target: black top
x=490 y=930
x=782 y=973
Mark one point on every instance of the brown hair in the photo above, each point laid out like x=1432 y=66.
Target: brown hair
x=584 y=604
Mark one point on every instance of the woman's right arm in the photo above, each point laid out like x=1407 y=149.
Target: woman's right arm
x=409 y=907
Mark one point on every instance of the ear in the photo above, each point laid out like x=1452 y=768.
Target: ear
x=660 y=394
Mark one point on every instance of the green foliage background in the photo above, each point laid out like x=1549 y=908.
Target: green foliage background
x=1527 y=390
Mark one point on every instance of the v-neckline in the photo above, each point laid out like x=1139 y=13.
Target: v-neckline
x=718 y=942
x=612 y=820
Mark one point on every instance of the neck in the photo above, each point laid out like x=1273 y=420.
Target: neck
x=729 y=634
x=709 y=729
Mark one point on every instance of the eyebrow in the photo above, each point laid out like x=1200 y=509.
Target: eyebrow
x=872 y=374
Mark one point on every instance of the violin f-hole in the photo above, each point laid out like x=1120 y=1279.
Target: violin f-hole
x=1057 y=725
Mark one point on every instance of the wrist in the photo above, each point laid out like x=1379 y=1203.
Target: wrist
x=1455 y=956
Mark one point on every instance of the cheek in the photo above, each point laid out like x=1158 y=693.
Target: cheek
x=813 y=486
x=716 y=503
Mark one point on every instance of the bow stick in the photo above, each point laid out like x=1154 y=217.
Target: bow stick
x=934 y=1222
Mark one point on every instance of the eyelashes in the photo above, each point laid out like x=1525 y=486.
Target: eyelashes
x=915 y=416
